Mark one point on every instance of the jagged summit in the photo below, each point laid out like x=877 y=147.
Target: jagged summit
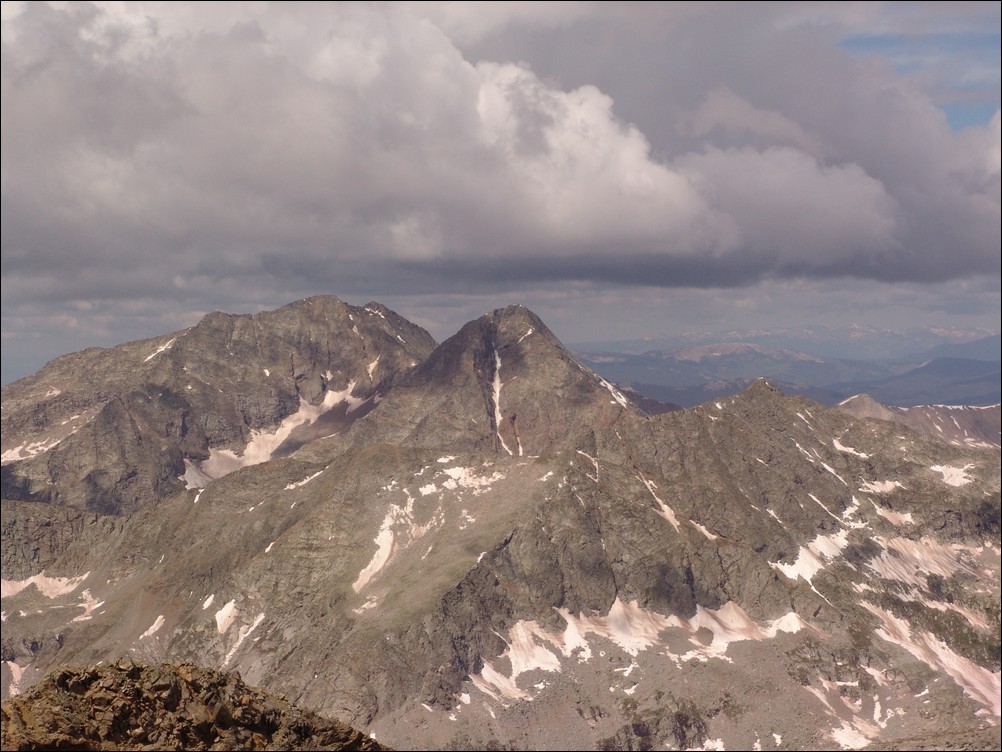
x=110 y=430
x=503 y=382
x=762 y=387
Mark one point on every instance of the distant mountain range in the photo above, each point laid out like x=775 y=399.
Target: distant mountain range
x=847 y=342
x=694 y=375
x=483 y=543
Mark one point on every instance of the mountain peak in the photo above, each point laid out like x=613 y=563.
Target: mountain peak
x=218 y=389
x=504 y=380
x=762 y=387
x=864 y=406
x=514 y=322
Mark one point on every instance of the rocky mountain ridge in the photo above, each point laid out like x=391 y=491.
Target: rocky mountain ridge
x=106 y=432
x=505 y=550
x=973 y=426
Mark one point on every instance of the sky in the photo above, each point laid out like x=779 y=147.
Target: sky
x=624 y=170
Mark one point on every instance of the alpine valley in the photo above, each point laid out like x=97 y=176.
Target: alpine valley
x=483 y=544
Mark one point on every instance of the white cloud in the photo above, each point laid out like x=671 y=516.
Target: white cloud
x=231 y=156
x=791 y=209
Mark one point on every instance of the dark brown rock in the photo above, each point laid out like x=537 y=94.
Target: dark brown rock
x=126 y=706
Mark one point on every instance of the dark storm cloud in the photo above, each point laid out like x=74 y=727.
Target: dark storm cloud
x=176 y=159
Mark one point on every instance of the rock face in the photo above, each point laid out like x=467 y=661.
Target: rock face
x=503 y=385
x=166 y=707
x=110 y=431
x=506 y=551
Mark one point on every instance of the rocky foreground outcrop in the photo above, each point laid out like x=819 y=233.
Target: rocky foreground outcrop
x=164 y=707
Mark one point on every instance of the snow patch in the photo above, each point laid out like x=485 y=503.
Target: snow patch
x=497 y=400
x=208 y=601
x=909 y=561
x=829 y=469
x=225 y=616
x=848 y=450
x=16 y=674
x=467 y=478
x=627 y=670
x=703 y=530
x=953 y=476
x=594 y=462
x=159 y=350
x=665 y=511
x=29 y=449
x=895 y=518
x=617 y=396
x=386 y=538
x=804 y=452
x=814 y=557
x=193 y=476
x=304 y=481
x=242 y=635
x=978 y=683
x=264 y=443
x=847 y=736
x=50 y=587
x=89 y=604
x=154 y=627
x=384 y=550
x=817 y=501
x=730 y=623
x=370 y=602
x=880 y=486
x=632 y=629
